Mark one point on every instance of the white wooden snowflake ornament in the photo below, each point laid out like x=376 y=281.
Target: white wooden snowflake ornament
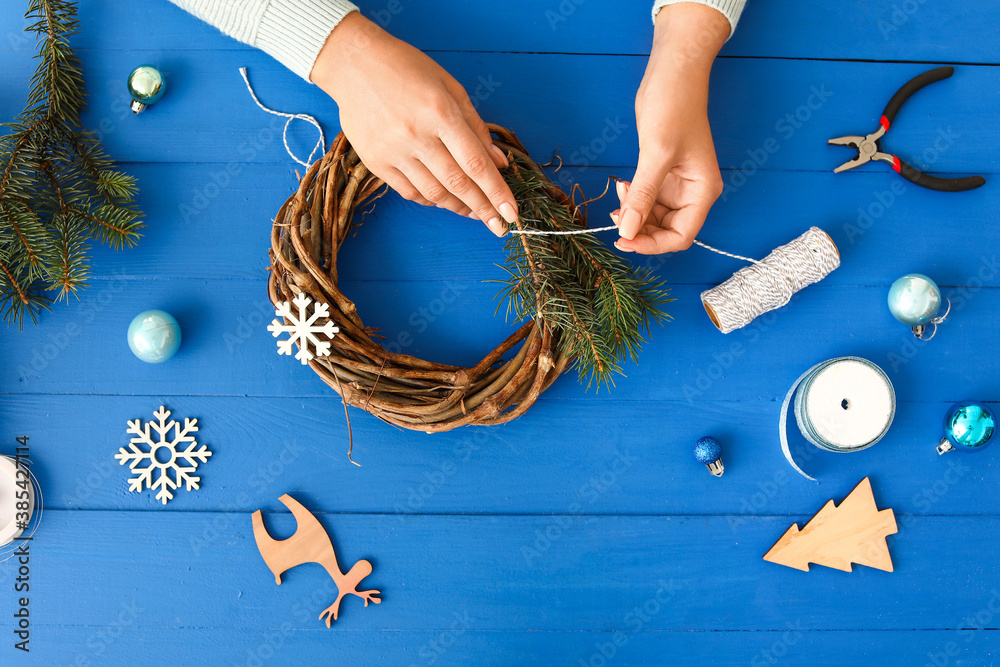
x=156 y=436
x=303 y=328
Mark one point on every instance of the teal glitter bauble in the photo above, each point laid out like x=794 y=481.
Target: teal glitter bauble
x=968 y=427
x=914 y=299
x=146 y=86
x=154 y=336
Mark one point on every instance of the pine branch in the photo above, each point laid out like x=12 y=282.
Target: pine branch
x=599 y=305
x=71 y=269
x=29 y=237
x=59 y=191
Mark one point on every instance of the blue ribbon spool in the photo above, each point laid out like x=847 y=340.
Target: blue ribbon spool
x=842 y=405
x=17 y=485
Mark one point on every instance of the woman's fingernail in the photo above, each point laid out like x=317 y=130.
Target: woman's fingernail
x=499 y=152
x=629 y=220
x=614 y=218
x=621 y=190
x=496 y=226
x=621 y=248
x=508 y=213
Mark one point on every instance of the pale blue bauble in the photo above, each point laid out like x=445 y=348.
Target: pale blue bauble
x=914 y=299
x=154 y=336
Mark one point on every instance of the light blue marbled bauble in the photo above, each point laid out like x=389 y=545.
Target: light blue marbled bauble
x=154 y=336
x=969 y=426
x=707 y=450
x=914 y=299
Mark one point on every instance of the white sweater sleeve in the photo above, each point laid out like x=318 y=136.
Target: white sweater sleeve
x=292 y=31
x=731 y=9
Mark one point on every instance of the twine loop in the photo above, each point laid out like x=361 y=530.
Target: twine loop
x=290 y=116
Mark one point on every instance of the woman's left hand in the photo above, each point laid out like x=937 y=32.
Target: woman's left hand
x=677 y=179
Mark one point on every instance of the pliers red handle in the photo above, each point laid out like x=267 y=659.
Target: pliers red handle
x=870 y=149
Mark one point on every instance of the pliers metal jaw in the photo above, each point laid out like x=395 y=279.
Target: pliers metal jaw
x=869 y=148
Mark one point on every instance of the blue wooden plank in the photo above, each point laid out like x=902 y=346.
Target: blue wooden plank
x=81 y=349
x=831 y=29
x=639 y=463
x=283 y=646
x=757 y=106
x=124 y=642
x=203 y=222
x=435 y=514
x=585 y=575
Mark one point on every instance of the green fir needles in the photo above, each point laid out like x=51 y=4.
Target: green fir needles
x=599 y=305
x=58 y=189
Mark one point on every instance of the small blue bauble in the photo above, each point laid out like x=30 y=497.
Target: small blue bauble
x=968 y=427
x=146 y=86
x=709 y=451
x=154 y=336
x=914 y=299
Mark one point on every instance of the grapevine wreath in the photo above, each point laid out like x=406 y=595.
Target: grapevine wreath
x=579 y=302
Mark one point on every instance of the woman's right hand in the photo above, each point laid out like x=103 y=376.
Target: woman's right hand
x=413 y=124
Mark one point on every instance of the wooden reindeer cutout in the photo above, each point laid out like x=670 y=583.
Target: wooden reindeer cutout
x=853 y=532
x=310 y=544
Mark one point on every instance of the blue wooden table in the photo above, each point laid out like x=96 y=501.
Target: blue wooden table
x=583 y=533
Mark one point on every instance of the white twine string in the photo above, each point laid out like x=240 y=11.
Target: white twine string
x=540 y=232
x=770 y=283
x=290 y=116
x=727 y=254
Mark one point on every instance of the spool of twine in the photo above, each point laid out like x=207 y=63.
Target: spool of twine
x=770 y=283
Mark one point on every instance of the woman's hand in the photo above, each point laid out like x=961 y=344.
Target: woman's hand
x=412 y=124
x=677 y=179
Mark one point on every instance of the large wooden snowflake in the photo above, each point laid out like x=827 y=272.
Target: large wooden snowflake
x=303 y=328
x=164 y=455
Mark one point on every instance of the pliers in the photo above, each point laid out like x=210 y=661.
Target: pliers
x=870 y=149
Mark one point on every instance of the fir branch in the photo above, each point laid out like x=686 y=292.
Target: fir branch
x=59 y=191
x=29 y=236
x=599 y=305
x=58 y=81
x=23 y=137
x=17 y=298
x=71 y=269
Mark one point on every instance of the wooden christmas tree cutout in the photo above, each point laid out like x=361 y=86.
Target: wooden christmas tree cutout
x=310 y=544
x=854 y=532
